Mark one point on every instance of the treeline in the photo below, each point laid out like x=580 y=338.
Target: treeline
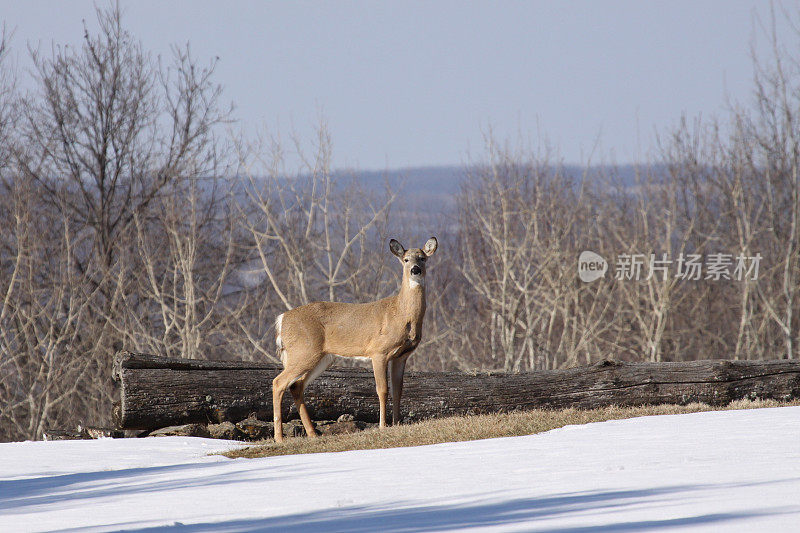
x=130 y=217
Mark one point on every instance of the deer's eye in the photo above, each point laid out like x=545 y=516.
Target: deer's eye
x=406 y=260
x=422 y=259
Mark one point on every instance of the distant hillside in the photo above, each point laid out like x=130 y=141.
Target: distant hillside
x=433 y=190
x=439 y=185
x=426 y=187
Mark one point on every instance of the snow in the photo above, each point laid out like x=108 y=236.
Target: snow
x=729 y=470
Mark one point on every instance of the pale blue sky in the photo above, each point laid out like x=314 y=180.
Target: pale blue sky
x=416 y=83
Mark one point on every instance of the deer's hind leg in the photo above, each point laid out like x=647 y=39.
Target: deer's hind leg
x=279 y=385
x=297 y=377
x=292 y=377
x=297 y=389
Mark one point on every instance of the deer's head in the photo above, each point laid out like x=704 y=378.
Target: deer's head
x=413 y=260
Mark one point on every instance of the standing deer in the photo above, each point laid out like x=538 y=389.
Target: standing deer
x=386 y=331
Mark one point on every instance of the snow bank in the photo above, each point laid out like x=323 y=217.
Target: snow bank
x=730 y=470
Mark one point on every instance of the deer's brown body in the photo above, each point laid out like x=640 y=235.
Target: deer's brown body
x=386 y=331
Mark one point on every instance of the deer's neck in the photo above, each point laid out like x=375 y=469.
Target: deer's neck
x=411 y=298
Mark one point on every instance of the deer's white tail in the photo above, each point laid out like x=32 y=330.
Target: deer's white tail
x=278 y=341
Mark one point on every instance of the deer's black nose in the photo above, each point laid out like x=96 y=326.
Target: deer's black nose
x=416 y=270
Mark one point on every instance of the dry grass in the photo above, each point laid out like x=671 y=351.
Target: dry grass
x=464 y=428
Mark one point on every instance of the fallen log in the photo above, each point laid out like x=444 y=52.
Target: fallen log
x=157 y=392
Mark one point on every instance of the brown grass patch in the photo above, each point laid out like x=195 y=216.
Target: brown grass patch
x=463 y=428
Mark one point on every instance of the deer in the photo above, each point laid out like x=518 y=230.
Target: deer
x=387 y=331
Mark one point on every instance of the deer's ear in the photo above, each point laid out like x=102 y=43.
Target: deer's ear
x=430 y=246
x=396 y=248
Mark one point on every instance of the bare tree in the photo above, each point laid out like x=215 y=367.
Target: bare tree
x=111 y=138
x=520 y=219
x=774 y=135
x=46 y=329
x=111 y=128
x=187 y=250
x=313 y=234
x=9 y=110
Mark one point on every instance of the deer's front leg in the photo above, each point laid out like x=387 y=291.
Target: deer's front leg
x=397 y=367
x=380 y=366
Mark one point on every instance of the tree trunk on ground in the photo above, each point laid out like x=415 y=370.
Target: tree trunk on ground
x=157 y=392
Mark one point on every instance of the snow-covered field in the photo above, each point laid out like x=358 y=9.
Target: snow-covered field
x=715 y=471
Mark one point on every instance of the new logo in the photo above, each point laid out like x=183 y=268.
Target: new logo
x=591 y=266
